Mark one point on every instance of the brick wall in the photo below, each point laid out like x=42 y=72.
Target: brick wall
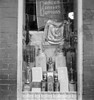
x=8 y=49
x=88 y=70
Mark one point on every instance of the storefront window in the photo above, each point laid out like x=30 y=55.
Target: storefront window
x=49 y=46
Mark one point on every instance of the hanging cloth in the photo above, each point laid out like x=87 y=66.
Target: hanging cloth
x=53 y=32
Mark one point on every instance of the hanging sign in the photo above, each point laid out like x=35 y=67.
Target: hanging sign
x=48 y=9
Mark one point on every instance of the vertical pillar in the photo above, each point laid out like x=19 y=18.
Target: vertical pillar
x=19 y=49
x=80 y=49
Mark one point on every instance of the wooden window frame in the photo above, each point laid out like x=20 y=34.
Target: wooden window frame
x=79 y=46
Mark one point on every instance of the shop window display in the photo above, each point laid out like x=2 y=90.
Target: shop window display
x=49 y=47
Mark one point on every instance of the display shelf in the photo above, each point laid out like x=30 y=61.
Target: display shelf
x=38 y=36
x=27 y=95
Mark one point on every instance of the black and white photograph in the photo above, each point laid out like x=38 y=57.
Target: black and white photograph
x=46 y=50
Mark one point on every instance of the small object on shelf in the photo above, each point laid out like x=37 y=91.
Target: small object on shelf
x=63 y=79
x=55 y=76
x=32 y=53
x=57 y=86
x=71 y=75
x=72 y=83
x=29 y=54
x=60 y=60
x=41 y=60
x=45 y=76
x=50 y=77
x=36 y=74
x=56 y=82
x=44 y=82
x=50 y=65
x=26 y=87
x=27 y=29
x=72 y=86
x=36 y=87
x=50 y=86
x=28 y=75
x=43 y=85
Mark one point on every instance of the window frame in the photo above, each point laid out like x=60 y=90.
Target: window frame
x=79 y=49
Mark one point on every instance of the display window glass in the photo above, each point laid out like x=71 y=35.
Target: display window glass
x=49 y=56
x=49 y=53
